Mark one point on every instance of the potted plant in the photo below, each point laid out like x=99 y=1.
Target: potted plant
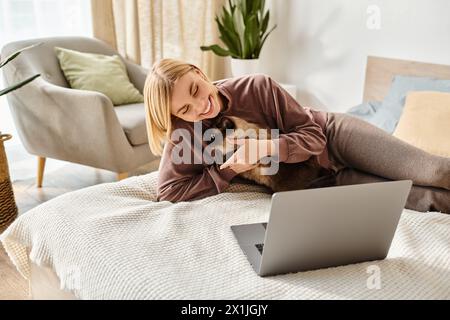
x=243 y=28
x=8 y=208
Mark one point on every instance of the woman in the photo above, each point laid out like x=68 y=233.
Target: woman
x=178 y=95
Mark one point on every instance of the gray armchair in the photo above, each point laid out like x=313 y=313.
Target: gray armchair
x=55 y=121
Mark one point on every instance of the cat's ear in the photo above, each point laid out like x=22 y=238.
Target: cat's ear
x=226 y=123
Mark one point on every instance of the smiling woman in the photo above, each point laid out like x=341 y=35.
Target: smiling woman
x=179 y=99
x=194 y=98
x=178 y=88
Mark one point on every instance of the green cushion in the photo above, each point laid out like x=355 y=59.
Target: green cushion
x=98 y=72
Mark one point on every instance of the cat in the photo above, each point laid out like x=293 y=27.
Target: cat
x=290 y=176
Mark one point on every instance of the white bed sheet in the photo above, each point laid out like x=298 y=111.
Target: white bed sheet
x=112 y=241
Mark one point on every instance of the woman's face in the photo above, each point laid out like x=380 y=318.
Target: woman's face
x=194 y=98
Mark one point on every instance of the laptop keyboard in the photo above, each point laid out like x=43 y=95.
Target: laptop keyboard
x=260 y=247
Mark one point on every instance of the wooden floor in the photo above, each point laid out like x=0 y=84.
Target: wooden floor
x=12 y=285
x=59 y=177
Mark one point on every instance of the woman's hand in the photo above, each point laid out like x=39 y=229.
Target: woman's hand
x=239 y=168
x=249 y=154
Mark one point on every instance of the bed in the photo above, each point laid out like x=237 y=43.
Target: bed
x=113 y=241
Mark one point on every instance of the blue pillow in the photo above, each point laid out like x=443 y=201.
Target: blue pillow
x=365 y=110
x=368 y=111
x=391 y=109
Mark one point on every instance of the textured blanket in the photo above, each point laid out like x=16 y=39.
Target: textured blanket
x=112 y=241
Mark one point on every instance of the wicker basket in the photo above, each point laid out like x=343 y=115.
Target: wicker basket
x=8 y=208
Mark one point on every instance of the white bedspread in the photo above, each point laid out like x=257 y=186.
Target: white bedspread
x=111 y=241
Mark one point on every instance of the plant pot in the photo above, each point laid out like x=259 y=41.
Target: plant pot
x=8 y=208
x=242 y=67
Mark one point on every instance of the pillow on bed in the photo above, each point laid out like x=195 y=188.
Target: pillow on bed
x=425 y=122
x=365 y=111
x=391 y=109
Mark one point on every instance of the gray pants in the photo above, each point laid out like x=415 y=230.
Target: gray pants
x=363 y=153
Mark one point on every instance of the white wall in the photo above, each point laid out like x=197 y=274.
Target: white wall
x=321 y=46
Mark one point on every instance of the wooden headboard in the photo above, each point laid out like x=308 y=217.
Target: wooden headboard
x=380 y=72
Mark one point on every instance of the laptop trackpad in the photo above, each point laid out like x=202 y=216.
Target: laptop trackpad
x=251 y=238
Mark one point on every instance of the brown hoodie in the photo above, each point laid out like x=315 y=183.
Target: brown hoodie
x=257 y=99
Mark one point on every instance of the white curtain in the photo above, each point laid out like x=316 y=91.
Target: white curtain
x=148 y=30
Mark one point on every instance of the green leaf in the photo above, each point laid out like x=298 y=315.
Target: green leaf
x=224 y=35
x=217 y=50
x=229 y=30
x=249 y=6
x=232 y=6
x=230 y=39
x=15 y=54
x=225 y=13
x=239 y=26
x=256 y=6
x=265 y=37
x=265 y=23
x=242 y=27
x=243 y=7
x=251 y=34
x=10 y=58
x=255 y=42
x=18 y=85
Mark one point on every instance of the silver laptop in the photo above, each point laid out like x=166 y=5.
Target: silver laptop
x=324 y=227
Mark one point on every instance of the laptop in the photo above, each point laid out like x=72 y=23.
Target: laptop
x=324 y=227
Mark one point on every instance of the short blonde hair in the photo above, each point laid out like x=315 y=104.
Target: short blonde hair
x=157 y=97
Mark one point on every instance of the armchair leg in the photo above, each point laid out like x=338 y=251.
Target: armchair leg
x=121 y=176
x=40 y=173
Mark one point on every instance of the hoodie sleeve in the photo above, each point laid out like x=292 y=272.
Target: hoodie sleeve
x=300 y=136
x=189 y=181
